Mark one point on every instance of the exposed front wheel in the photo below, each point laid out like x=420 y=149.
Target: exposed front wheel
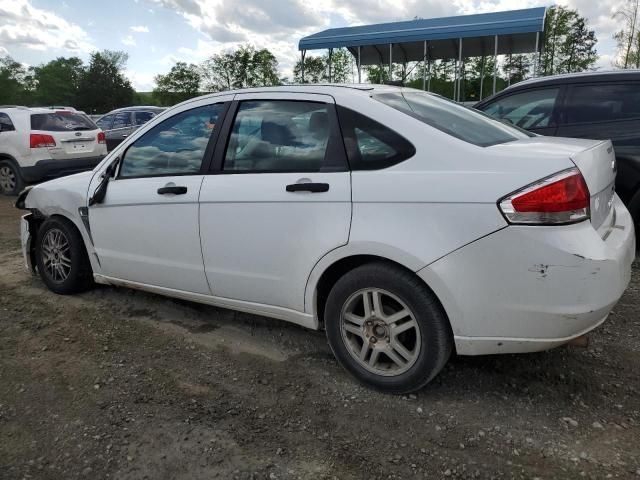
x=61 y=257
x=11 y=182
x=387 y=328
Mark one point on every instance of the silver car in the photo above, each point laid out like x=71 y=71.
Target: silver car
x=119 y=124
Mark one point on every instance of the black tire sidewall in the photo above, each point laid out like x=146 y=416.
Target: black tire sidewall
x=435 y=331
x=16 y=171
x=79 y=278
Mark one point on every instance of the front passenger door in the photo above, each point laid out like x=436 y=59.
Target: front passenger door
x=146 y=229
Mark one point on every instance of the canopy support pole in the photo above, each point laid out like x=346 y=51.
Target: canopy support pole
x=509 y=74
x=424 y=67
x=482 y=76
x=459 y=69
x=302 y=53
x=495 y=63
x=390 y=61
x=330 y=55
x=359 y=66
x=536 y=61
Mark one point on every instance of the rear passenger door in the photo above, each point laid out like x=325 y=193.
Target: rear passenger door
x=608 y=111
x=120 y=129
x=278 y=200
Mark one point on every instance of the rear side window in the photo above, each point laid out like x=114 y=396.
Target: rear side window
x=370 y=145
x=451 y=118
x=603 y=103
x=284 y=136
x=6 y=124
x=121 y=120
x=530 y=109
x=62 y=121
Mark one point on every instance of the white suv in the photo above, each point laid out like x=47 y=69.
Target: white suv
x=40 y=143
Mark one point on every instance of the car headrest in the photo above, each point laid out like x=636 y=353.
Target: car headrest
x=276 y=131
x=319 y=124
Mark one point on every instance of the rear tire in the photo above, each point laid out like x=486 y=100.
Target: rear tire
x=11 y=182
x=387 y=328
x=63 y=263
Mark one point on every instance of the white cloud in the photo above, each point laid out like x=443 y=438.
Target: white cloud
x=3 y=51
x=129 y=41
x=23 y=25
x=139 y=29
x=142 y=82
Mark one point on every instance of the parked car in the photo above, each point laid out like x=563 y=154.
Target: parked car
x=405 y=225
x=598 y=105
x=119 y=124
x=39 y=144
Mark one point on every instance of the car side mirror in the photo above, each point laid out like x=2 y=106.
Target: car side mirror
x=101 y=191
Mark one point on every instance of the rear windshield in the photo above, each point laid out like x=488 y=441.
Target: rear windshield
x=463 y=123
x=61 y=122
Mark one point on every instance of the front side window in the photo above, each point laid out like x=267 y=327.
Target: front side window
x=603 y=103
x=280 y=136
x=530 y=109
x=121 y=120
x=174 y=147
x=105 y=122
x=6 y=124
x=62 y=121
x=370 y=145
x=451 y=118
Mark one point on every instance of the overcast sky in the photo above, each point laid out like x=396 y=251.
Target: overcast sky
x=156 y=33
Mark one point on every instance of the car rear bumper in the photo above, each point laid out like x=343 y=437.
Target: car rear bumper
x=48 y=169
x=530 y=288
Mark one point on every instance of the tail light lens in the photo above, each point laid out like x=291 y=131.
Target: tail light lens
x=102 y=138
x=559 y=199
x=40 y=140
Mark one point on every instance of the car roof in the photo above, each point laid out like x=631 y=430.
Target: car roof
x=581 y=77
x=136 y=108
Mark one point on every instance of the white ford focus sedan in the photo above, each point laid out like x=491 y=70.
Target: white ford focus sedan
x=405 y=225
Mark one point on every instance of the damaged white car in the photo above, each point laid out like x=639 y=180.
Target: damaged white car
x=406 y=226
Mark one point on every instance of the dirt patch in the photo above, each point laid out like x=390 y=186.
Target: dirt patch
x=120 y=384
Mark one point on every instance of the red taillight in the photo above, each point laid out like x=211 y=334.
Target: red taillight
x=40 y=140
x=102 y=138
x=561 y=198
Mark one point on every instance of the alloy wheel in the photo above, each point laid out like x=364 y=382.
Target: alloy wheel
x=56 y=255
x=380 y=332
x=7 y=179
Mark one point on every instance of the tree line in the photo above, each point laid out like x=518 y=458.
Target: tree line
x=569 y=45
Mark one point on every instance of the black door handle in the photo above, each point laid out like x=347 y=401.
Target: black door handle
x=308 y=187
x=172 y=189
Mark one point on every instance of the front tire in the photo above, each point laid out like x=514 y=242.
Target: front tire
x=11 y=182
x=61 y=257
x=387 y=328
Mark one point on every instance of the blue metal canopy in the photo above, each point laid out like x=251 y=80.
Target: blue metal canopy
x=530 y=20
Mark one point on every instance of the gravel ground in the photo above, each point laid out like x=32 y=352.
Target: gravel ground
x=120 y=384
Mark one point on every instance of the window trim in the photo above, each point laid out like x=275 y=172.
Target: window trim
x=349 y=138
x=335 y=144
x=569 y=90
x=206 y=158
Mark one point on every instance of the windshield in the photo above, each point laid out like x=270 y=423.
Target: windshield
x=63 y=121
x=456 y=120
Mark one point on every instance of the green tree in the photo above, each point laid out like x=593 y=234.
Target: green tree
x=241 y=68
x=103 y=85
x=517 y=67
x=341 y=65
x=569 y=45
x=58 y=82
x=14 y=82
x=628 y=37
x=181 y=83
x=314 y=70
